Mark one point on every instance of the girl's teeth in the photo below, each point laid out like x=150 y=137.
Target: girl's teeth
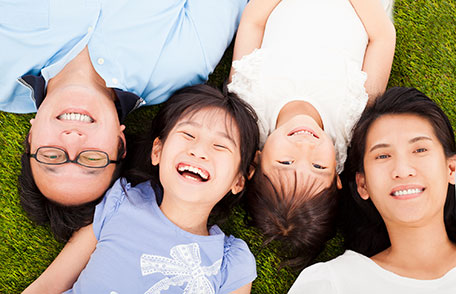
x=303 y=132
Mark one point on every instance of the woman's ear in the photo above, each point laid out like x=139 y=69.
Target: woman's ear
x=452 y=169
x=254 y=164
x=156 y=151
x=361 y=184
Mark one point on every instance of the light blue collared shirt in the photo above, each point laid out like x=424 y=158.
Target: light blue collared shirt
x=149 y=48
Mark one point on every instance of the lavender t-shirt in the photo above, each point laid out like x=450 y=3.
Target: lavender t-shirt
x=139 y=250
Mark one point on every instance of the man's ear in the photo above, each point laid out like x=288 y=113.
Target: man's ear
x=361 y=184
x=254 y=164
x=122 y=137
x=156 y=151
x=339 y=183
x=238 y=185
x=452 y=169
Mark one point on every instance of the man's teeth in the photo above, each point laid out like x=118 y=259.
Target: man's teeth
x=76 y=117
x=407 y=192
x=303 y=132
x=194 y=170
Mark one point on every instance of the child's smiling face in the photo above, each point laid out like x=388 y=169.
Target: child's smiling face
x=300 y=147
x=200 y=158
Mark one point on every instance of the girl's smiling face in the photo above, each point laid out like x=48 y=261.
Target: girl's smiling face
x=200 y=158
x=406 y=172
x=300 y=147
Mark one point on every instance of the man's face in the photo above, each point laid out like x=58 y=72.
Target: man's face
x=75 y=119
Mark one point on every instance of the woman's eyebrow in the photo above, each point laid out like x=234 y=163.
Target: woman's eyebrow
x=419 y=138
x=411 y=141
x=378 y=146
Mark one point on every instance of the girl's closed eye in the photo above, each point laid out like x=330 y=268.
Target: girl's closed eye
x=221 y=147
x=188 y=135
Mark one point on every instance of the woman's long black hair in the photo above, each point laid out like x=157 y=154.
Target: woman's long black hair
x=362 y=225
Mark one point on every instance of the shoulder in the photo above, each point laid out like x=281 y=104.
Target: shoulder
x=120 y=194
x=238 y=265
x=323 y=277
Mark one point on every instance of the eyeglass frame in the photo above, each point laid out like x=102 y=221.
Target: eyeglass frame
x=30 y=155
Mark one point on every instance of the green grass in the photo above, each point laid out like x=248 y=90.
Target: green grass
x=425 y=58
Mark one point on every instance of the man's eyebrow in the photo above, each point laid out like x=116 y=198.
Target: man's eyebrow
x=197 y=125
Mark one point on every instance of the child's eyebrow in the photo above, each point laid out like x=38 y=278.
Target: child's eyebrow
x=197 y=125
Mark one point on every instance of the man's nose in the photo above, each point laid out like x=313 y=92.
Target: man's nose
x=72 y=140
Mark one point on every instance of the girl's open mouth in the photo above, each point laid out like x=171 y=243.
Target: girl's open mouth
x=194 y=173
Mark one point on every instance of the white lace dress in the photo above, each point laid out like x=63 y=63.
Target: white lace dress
x=311 y=51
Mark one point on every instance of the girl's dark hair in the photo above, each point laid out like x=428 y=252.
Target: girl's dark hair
x=188 y=101
x=292 y=214
x=63 y=220
x=363 y=227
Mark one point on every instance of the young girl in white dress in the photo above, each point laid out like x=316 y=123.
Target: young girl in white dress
x=401 y=220
x=154 y=237
x=308 y=68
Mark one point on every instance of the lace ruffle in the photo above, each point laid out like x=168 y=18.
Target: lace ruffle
x=352 y=108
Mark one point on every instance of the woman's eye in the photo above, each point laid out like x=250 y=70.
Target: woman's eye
x=420 y=150
x=318 y=166
x=286 y=162
x=382 y=156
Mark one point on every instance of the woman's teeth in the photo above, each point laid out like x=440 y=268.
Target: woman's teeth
x=407 y=192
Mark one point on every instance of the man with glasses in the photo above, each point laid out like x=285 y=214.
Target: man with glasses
x=83 y=66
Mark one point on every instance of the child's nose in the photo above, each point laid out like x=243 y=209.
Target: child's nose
x=199 y=152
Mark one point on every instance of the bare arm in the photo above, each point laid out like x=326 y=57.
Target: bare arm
x=243 y=290
x=380 y=49
x=65 y=269
x=251 y=28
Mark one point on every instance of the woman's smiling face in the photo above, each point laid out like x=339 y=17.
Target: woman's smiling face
x=406 y=172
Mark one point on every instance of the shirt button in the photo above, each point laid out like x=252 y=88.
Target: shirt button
x=90 y=29
x=115 y=81
x=100 y=61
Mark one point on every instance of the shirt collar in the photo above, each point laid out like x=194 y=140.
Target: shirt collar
x=125 y=103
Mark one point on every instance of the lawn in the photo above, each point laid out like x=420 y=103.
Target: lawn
x=425 y=58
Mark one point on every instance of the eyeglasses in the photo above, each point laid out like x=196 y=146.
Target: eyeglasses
x=87 y=158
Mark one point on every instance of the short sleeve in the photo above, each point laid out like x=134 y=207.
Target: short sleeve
x=238 y=266
x=107 y=207
x=315 y=279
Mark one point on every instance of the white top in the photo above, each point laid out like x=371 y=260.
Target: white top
x=355 y=273
x=311 y=51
